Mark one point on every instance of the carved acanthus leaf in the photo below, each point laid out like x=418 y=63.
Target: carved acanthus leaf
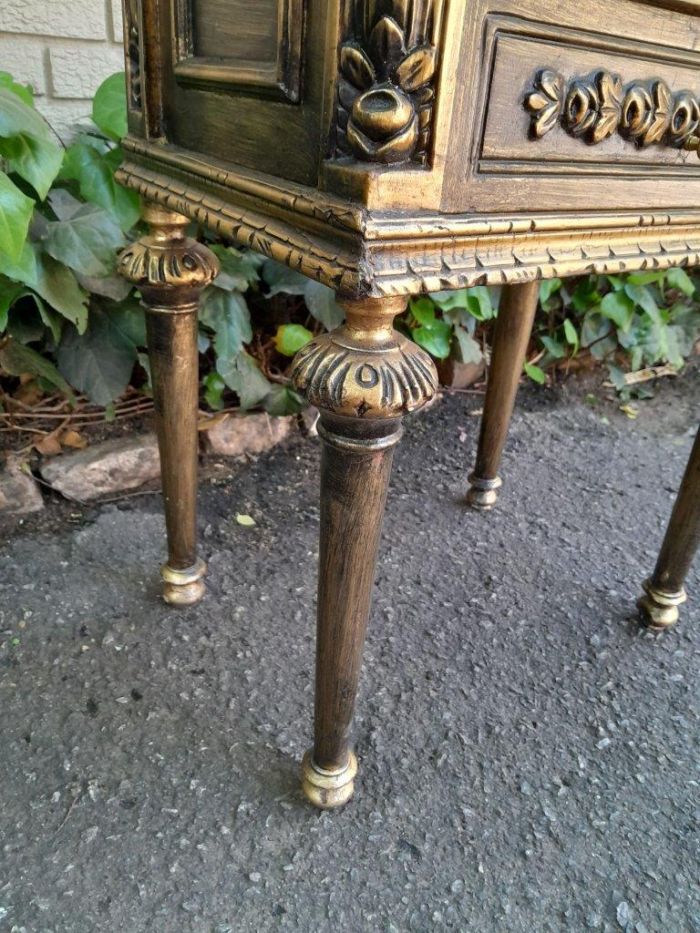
x=181 y=263
x=338 y=377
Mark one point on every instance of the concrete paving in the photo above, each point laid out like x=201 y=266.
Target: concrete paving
x=528 y=760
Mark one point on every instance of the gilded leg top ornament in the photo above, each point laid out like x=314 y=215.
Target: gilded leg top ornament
x=365 y=369
x=167 y=260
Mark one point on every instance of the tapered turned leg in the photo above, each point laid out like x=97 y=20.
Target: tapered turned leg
x=170 y=270
x=664 y=592
x=363 y=378
x=512 y=333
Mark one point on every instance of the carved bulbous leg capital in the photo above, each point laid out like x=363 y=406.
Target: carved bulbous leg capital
x=363 y=377
x=171 y=270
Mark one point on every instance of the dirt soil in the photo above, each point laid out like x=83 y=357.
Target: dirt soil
x=529 y=761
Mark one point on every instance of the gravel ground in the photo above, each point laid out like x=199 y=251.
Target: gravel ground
x=528 y=760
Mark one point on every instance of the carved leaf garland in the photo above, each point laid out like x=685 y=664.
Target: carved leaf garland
x=593 y=108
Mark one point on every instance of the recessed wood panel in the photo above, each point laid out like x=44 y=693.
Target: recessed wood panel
x=239 y=44
x=236 y=30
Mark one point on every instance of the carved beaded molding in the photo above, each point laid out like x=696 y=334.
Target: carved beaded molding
x=386 y=84
x=592 y=108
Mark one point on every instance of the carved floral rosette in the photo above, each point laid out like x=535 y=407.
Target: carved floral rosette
x=594 y=107
x=386 y=84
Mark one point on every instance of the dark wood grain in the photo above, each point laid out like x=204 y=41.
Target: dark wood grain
x=172 y=352
x=354 y=483
x=683 y=534
x=513 y=327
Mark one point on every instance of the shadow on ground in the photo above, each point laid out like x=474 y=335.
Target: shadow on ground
x=528 y=760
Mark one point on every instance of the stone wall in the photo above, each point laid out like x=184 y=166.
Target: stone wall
x=63 y=49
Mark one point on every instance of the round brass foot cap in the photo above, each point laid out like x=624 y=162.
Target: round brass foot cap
x=328 y=789
x=183 y=587
x=483 y=493
x=659 y=610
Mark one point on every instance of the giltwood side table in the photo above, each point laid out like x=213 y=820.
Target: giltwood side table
x=387 y=148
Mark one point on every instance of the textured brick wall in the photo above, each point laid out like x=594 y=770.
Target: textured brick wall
x=64 y=49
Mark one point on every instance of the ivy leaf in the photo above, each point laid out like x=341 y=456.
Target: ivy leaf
x=241 y=373
x=109 y=106
x=283 y=400
x=290 y=338
x=17 y=359
x=548 y=288
x=18 y=118
x=618 y=307
x=641 y=295
x=469 y=349
x=678 y=278
x=435 y=339
x=100 y=362
x=86 y=241
x=535 y=373
x=586 y=295
x=15 y=214
x=214 y=387
x=23 y=91
x=95 y=177
x=37 y=160
x=479 y=303
x=280 y=278
x=226 y=313
x=571 y=335
x=597 y=335
x=320 y=300
x=553 y=347
x=239 y=270
x=9 y=293
x=54 y=282
x=450 y=300
x=423 y=310
x=49 y=318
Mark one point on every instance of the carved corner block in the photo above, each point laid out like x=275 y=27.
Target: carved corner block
x=594 y=107
x=386 y=86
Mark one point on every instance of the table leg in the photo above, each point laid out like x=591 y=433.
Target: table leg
x=511 y=336
x=363 y=378
x=664 y=592
x=170 y=270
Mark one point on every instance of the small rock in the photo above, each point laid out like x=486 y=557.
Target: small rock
x=19 y=494
x=113 y=466
x=237 y=435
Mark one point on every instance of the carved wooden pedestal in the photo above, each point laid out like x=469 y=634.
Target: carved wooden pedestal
x=387 y=148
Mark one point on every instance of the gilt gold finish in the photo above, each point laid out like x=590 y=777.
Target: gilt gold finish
x=331 y=789
x=659 y=610
x=388 y=148
x=596 y=106
x=170 y=270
